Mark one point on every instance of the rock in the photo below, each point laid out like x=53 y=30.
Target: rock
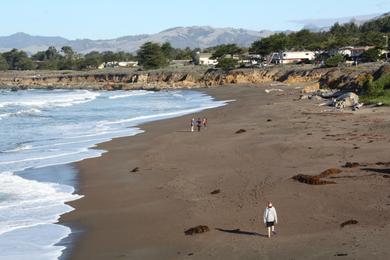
x=317 y=179
x=197 y=230
x=240 y=131
x=311 y=88
x=328 y=172
x=341 y=254
x=351 y=164
x=136 y=169
x=317 y=98
x=269 y=120
x=310 y=179
x=273 y=90
x=302 y=97
x=387 y=164
x=329 y=93
x=349 y=222
x=348 y=99
x=357 y=106
x=215 y=192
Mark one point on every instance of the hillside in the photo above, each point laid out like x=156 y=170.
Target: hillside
x=179 y=37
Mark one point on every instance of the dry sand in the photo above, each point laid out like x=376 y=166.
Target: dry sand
x=143 y=215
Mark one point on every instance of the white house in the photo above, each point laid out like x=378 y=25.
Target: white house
x=127 y=63
x=292 y=57
x=352 y=51
x=114 y=64
x=251 y=60
x=205 y=59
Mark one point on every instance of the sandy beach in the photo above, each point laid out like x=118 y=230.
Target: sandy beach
x=143 y=214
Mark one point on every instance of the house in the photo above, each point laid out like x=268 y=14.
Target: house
x=115 y=64
x=351 y=51
x=127 y=63
x=250 y=60
x=205 y=59
x=286 y=57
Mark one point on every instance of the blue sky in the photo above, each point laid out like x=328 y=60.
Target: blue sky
x=98 y=19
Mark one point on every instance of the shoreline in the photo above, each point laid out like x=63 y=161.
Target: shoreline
x=170 y=193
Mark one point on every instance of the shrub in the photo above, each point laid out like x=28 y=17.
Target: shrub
x=334 y=60
x=227 y=63
x=371 y=55
x=376 y=91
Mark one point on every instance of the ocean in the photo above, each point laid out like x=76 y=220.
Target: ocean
x=40 y=128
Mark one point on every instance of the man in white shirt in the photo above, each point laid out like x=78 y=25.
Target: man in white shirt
x=270 y=218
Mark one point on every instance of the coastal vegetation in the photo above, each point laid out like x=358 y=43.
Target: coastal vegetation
x=349 y=34
x=376 y=91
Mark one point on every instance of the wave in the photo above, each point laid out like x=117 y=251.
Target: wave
x=22 y=147
x=43 y=157
x=64 y=99
x=131 y=94
x=140 y=119
x=23 y=112
x=29 y=247
x=26 y=205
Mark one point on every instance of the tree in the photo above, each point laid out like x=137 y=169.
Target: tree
x=91 y=60
x=168 y=50
x=226 y=49
x=39 y=56
x=305 y=40
x=151 y=56
x=227 y=63
x=274 y=43
x=3 y=63
x=382 y=24
x=373 y=38
x=18 y=60
x=68 y=52
x=51 y=53
x=371 y=55
x=334 y=60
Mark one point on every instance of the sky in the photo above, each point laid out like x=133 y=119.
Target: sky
x=98 y=19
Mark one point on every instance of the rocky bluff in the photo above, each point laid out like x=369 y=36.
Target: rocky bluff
x=345 y=77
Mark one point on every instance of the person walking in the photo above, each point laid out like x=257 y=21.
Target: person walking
x=270 y=218
x=192 y=124
x=199 y=124
x=204 y=122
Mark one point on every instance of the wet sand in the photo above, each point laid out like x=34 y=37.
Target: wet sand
x=143 y=214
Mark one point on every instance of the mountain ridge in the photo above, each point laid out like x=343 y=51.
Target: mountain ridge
x=179 y=37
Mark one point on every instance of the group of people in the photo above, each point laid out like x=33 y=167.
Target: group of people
x=198 y=123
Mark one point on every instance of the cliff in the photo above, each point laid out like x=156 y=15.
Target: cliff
x=347 y=77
